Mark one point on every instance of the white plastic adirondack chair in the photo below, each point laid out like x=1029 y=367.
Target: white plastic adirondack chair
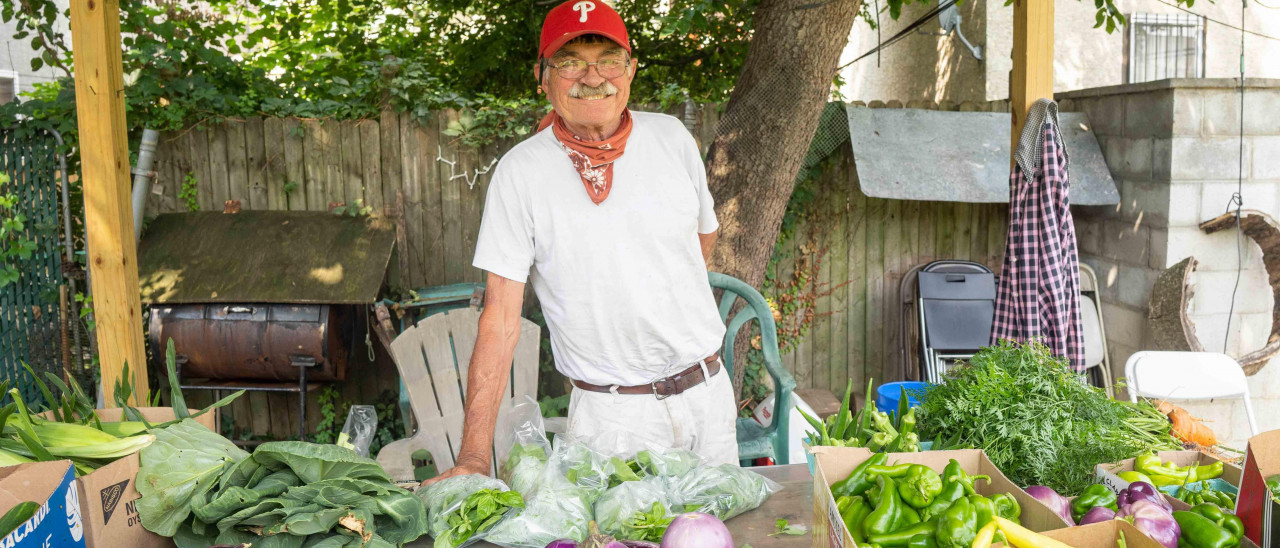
x=432 y=358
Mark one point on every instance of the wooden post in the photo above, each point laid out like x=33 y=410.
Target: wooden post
x=1032 y=77
x=104 y=168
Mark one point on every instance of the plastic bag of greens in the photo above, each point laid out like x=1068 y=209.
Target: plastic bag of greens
x=667 y=462
x=529 y=447
x=722 y=490
x=462 y=509
x=557 y=508
x=636 y=510
x=582 y=466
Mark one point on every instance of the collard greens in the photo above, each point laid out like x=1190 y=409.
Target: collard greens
x=201 y=490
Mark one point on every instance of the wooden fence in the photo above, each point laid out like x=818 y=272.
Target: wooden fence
x=397 y=165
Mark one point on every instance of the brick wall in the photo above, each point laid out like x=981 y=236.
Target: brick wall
x=1174 y=149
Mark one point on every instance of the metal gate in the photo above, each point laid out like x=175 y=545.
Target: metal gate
x=31 y=329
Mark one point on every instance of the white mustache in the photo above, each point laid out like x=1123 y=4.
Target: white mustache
x=581 y=91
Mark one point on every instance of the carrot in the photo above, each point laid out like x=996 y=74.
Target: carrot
x=1186 y=427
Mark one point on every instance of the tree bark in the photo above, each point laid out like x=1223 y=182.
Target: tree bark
x=768 y=123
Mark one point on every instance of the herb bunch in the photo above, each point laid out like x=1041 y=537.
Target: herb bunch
x=1037 y=420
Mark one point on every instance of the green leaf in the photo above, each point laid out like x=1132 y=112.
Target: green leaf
x=313 y=462
x=183 y=464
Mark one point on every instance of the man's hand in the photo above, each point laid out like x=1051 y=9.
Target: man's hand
x=459 y=469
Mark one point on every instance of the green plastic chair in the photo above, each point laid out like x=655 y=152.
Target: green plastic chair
x=756 y=441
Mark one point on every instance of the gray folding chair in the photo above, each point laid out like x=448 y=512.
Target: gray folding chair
x=955 y=304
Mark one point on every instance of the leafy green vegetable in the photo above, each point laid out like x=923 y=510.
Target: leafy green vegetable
x=784 y=528
x=722 y=490
x=17 y=516
x=671 y=462
x=462 y=507
x=183 y=464
x=632 y=510
x=647 y=525
x=1036 y=419
x=200 y=489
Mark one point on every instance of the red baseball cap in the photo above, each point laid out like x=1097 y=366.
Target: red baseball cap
x=575 y=18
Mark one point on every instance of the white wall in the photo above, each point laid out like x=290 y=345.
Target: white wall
x=16 y=55
x=940 y=69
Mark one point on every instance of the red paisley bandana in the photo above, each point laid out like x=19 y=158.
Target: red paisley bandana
x=593 y=159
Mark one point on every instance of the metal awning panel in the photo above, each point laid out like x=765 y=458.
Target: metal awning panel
x=945 y=156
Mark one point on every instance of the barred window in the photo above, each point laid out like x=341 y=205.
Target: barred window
x=1165 y=46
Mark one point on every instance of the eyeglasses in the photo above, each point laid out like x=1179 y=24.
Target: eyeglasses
x=573 y=69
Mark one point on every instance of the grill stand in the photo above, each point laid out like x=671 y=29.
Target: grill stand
x=303 y=363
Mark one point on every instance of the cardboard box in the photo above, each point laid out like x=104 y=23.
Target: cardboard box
x=835 y=463
x=51 y=484
x=1107 y=473
x=1103 y=535
x=107 y=496
x=1255 y=507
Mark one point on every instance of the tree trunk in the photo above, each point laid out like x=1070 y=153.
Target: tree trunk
x=768 y=123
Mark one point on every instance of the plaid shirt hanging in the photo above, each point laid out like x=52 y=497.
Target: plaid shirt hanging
x=1038 y=296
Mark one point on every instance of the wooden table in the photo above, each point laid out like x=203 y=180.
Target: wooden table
x=793 y=503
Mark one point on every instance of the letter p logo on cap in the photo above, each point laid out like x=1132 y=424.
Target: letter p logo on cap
x=584 y=6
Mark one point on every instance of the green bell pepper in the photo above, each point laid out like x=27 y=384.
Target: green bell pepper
x=1222 y=519
x=909 y=516
x=919 y=486
x=1093 y=496
x=858 y=481
x=855 y=510
x=1201 y=532
x=953 y=472
x=985 y=508
x=951 y=492
x=888 y=512
x=922 y=541
x=1273 y=484
x=902 y=537
x=1007 y=507
x=958 y=525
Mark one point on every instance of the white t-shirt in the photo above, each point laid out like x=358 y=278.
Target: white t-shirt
x=623 y=285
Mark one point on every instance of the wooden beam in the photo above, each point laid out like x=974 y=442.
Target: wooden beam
x=104 y=169
x=1032 y=77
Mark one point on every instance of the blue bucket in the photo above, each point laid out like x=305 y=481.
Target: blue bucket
x=888 y=393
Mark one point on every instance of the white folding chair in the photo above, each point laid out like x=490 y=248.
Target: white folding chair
x=1188 y=376
x=1095 y=333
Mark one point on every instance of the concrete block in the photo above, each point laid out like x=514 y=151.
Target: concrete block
x=1106 y=114
x=1260 y=107
x=1145 y=203
x=1135 y=285
x=1213 y=293
x=1126 y=242
x=1184 y=204
x=1211 y=329
x=1088 y=235
x=1221 y=112
x=1129 y=157
x=1108 y=276
x=1161 y=158
x=1255 y=329
x=1206 y=158
x=1148 y=114
x=1265 y=384
x=1158 y=258
x=1215 y=197
x=1188 y=110
x=1125 y=325
x=1215 y=252
x=1266 y=157
x=1119 y=353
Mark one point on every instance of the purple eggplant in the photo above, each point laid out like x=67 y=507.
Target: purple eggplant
x=1058 y=503
x=1097 y=514
x=1154 y=520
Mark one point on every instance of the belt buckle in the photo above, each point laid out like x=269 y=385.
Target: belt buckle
x=660 y=396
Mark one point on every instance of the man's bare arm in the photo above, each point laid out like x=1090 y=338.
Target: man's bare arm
x=708 y=242
x=490 y=367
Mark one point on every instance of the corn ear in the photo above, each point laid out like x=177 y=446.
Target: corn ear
x=10 y=459
x=64 y=434
x=111 y=450
x=124 y=428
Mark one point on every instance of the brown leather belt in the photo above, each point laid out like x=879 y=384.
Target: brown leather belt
x=662 y=388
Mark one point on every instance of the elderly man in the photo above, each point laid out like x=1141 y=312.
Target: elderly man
x=607 y=213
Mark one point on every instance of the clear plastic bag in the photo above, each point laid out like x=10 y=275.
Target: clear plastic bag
x=667 y=462
x=447 y=496
x=722 y=490
x=619 y=511
x=358 y=431
x=582 y=466
x=557 y=507
x=530 y=449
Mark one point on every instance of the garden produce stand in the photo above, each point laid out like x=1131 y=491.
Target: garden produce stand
x=793 y=503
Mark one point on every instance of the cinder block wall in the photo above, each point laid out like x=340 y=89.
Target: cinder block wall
x=1174 y=149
